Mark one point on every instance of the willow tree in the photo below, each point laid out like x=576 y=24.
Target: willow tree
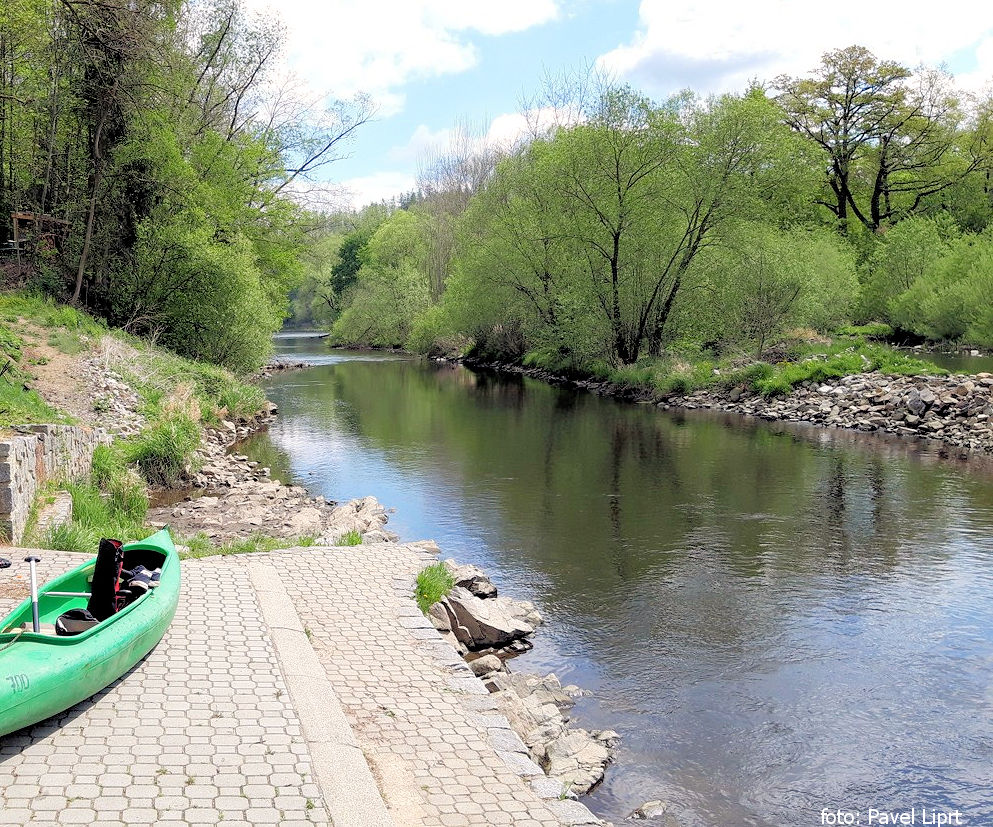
x=606 y=217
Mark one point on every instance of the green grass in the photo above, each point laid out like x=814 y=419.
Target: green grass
x=67 y=341
x=218 y=392
x=20 y=406
x=97 y=514
x=872 y=330
x=433 y=583
x=350 y=538
x=200 y=545
x=164 y=449
x=680 y=373
x=821 y=364
x=44 y=311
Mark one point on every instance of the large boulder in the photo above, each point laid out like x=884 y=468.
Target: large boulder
x=481 y=624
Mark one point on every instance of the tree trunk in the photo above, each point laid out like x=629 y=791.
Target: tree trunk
x=97 y=178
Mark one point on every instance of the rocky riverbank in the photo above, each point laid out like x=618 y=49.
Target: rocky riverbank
x=488 y=630
x=954 y=410
x=230 y=498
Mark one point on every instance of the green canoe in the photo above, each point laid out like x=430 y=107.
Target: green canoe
x=42 y=674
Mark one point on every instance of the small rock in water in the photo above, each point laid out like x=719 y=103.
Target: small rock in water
x=650 y=809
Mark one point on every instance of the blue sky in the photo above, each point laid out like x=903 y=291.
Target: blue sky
x=430 y=64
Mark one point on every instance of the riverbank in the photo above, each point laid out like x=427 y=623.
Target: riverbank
x=219 y=502
x=954 y=410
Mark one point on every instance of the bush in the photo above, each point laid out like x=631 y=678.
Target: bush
x=433 y=583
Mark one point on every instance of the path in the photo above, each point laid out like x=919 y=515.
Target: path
x=258 y=709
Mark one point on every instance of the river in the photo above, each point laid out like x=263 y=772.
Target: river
x=776 y=620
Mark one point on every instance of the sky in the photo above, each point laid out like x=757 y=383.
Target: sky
x=431 y=64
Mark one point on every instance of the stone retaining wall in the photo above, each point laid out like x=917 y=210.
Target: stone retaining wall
x=32 y=455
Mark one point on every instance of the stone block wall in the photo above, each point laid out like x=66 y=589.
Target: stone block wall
x=32 y=455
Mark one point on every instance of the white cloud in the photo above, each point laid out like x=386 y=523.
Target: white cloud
x=370 y=189
x=502 y=132
x=720 y=45
x=378 y=46
x=981 y=78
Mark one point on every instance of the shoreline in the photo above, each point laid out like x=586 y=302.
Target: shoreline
x=234 y=493
x=954 y=412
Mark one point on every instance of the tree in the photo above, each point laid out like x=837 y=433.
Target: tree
x=891 y=137
x=392 y=287
x=905 y=253
x=763 y=280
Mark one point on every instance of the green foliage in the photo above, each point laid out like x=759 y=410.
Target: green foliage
x=20 y=406
x=906 y=253
x=391 y=288
x=763 y=281
x=164 y=449
x=156 y=373
x=96 y=514
x=870 y=330
x=840 y=361
x=433 y=583
x=140 y=124
x=124 y=490
x=10 y=344
x=47 y=312
x=951 y=299
x=350 y=538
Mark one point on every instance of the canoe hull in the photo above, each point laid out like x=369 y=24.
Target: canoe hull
x=41 y=676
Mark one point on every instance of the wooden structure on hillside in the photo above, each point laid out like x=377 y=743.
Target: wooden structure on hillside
x=33 y=230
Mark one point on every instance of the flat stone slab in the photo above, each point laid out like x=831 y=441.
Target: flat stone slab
x=415 y=715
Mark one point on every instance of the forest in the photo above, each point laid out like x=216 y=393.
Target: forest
x=158 y=169
x=162 y=173
x=622 y=231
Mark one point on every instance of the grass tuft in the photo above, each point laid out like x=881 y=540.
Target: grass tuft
x=433 y=583
x=200 y=545
x=350 y=538
x=163 y=451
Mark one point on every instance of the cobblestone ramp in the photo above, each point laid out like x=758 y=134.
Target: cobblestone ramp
x=200 y=732
x=441 y=754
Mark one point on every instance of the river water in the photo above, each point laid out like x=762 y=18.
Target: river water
x=776 y=620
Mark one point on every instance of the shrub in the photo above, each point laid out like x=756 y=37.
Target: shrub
x=433 y=583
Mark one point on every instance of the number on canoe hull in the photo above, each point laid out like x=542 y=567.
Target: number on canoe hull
x=19 y=682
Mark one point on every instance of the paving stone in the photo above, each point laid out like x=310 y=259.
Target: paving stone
x=196 y=671
x=225 y=745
